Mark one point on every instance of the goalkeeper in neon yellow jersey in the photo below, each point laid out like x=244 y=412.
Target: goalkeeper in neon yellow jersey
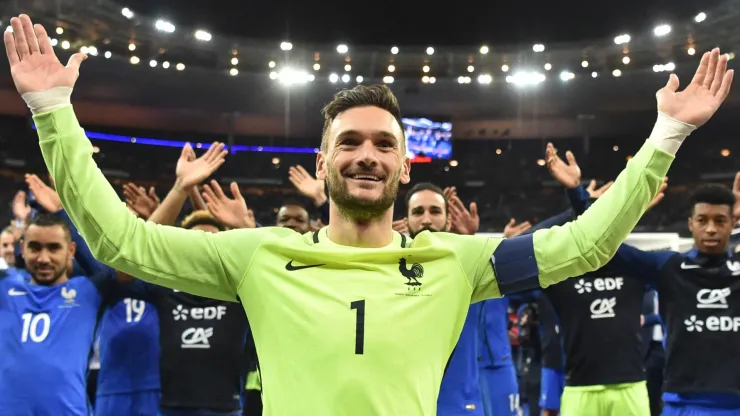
x=354 y=319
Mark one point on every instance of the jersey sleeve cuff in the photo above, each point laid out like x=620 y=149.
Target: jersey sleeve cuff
x=515 y=266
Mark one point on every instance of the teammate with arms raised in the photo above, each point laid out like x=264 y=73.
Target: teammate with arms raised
x=339 y=303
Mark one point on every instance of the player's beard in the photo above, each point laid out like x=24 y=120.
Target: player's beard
x=357 y=209
x=58 y=274
x=429 y=228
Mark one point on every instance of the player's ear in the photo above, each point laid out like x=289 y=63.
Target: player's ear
x=405 y=170
x=448 y=224
x=321 y=166
x=72 y=249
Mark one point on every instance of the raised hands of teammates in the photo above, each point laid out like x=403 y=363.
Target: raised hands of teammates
x=736 y=192
x=402 y=226
x=191 y=171
x=231 y=212
x=307 y=185
x=45 y=195
x=512 y=229
x=141 y=202
x=568 y=174
x=595 y=192
x=33 y=64
x=698 y=102
x=21 y=209
x=464 y=221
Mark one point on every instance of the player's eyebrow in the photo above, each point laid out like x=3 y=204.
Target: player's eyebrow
x=376 y=134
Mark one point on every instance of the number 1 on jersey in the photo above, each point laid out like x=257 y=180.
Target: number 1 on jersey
x=359 y=326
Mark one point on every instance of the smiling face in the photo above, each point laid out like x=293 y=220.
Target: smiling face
x=364 y=162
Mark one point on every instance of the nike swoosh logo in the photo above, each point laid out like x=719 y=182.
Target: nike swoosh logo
x=13 y=292
x=690 y=266
x=291 y=268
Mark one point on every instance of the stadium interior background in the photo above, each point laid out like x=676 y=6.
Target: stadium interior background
x=507 y=79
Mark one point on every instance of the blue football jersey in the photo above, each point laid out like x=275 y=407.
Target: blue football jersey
x=47 y=336
x=129 y=348
x=493 y=341
x=460 y=392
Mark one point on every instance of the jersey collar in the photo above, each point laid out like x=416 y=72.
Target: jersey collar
x=320 y=237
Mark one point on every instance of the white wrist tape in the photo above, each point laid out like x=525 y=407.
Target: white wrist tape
x=669 y=133
x=48 y=100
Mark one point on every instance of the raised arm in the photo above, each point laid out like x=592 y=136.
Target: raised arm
x=190 y=261
x=588 y=243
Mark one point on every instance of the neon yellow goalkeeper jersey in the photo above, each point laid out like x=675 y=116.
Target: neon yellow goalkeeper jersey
x=342 y=330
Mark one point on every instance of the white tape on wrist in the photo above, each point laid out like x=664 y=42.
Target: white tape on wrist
x=669 y=133
x=48 y=100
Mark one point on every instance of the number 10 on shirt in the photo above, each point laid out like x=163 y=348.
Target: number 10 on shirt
x=359 y=305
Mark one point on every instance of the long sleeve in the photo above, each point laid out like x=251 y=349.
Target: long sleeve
x=556 y=220
x=638 y=264
x=209 y=265
x=590 y=241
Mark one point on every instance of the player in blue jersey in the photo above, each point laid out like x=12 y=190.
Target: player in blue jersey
x=128 y=379
x=47 y=324
x=427 y=210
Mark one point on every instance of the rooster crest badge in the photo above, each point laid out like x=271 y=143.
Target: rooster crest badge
x=412 y=274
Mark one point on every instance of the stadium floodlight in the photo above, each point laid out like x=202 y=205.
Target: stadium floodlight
x=66 y=44
x=526 y=78
x=567 y=75
x=432 y=80
x=180 y=67
x=484 y=50
x=617 y=73
x=60 y=30
x=425 y=79
x=584 y=64
x=662 y=30
x=538 y=47
x=273 y=75
x=233 y=72
x=691 y=51
x=471 y=68
x=670 y=66
x=271 y=64
x=548 y=66
x=164 y=26
x=505 y=68
x=311 y=77
x=83 y=50
x=347 y=68
x=290 y=76
x=132 y=46
x=92 y=50
x=333 y=78
x=54 y=42
x=202 y=35
x=153 y=63
x=165 y=65
x=134 y=60
x=394 y=50
x=594 y=74
x=342 y=48
x=345 y=78
x=391 y=68
x=316 y=66
x=622 y=39
x=430 y=51
x=485 y=79
x=235 y=61
x=359 y=79
x=286 y=46
x=388 y=79
x=626 y=60
x=425 y=68
x=700 y=17
x=127 y=13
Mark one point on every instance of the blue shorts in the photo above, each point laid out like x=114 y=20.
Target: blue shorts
x=673 y=409
x=500 y=390
x=552 y=383
x=140 y=403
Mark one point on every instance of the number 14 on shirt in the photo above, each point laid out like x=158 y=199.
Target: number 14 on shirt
x=359 y=305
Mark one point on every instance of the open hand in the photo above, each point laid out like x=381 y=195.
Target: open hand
x=595 y=192
x=143 y=203
x=307 y=185
x=231 y=212
x=698 y=102
x=568 y=174
x=402 y=226
x=21 y=209
x=33 y=63
x=191 y=171
x=464 y=221
x=45 y=196
x=513 y=229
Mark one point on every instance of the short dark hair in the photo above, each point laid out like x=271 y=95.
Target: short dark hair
x=293 y=202
x=52 y=220
x=712 y=194
x=360 y=96
x=201 y=217
x=425 y=186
